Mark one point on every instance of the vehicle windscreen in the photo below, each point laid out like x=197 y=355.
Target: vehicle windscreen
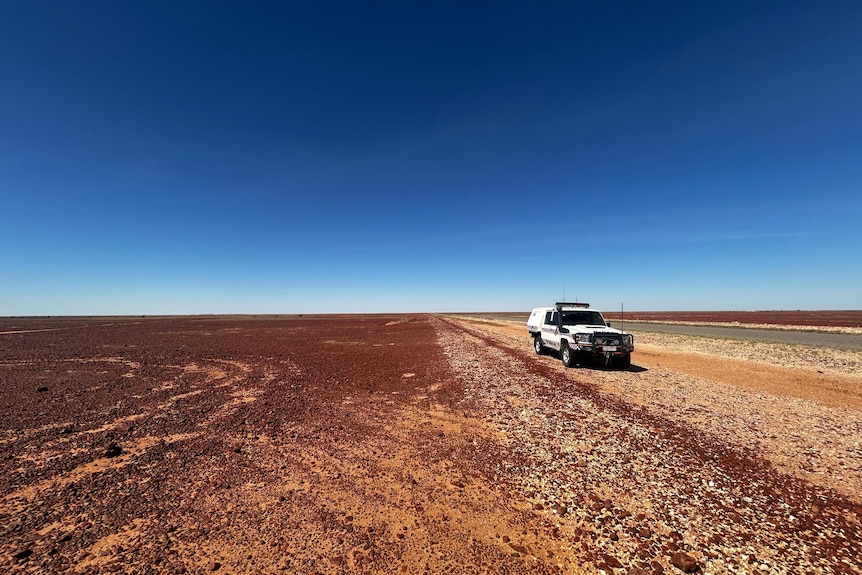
x=582 y=318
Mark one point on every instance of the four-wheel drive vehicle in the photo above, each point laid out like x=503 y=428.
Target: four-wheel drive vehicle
x=580 y=334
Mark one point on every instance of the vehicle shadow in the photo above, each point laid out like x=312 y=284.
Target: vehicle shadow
x=636 y=368
x=597 y=366
x=633 y=368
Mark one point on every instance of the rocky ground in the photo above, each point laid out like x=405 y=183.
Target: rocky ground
x=378 y=444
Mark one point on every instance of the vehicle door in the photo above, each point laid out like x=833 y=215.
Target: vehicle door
x=551 y=330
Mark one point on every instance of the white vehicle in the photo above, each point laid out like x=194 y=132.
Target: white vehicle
x=580 y=334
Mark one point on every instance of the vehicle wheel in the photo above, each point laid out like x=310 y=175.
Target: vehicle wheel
x=567 y=355
x=537 y=345
x=624 y=362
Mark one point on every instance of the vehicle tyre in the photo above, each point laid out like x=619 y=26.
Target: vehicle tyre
x=537 y=345
x=567 y=355
x=624 y=362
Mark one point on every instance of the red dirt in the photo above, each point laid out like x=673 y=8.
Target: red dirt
x=309 y=445
x=367 y=444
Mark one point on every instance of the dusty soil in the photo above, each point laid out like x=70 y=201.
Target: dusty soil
x=378 y=444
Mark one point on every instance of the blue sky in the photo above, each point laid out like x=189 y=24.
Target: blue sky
x=235 y=157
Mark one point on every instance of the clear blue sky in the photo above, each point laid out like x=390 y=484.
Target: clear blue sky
x=290 y=157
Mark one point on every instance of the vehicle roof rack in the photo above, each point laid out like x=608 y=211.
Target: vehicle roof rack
x=561 y=304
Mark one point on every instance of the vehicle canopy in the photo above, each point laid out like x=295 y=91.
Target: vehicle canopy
x=566 y=314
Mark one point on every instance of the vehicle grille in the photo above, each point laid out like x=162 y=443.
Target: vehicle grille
x=607 y=339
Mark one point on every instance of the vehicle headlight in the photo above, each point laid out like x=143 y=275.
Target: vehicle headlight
x=583 y=338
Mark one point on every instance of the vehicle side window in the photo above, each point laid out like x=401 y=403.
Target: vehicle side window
x=554 y=318
x=549 y=320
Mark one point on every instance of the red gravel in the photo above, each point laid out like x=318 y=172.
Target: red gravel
x=368 y=444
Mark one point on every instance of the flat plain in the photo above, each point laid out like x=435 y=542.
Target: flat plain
x=418 y=443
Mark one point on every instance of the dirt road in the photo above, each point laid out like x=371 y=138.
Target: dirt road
x=379 y=444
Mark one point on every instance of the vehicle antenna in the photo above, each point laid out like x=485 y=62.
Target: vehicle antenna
x=622 y=318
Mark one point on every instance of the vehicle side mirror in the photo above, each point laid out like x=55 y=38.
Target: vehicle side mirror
x=608 y=323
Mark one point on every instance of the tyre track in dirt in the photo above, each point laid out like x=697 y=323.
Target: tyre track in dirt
x=649 y=486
